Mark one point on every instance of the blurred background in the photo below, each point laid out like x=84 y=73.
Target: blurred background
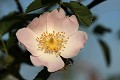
x=98 y=60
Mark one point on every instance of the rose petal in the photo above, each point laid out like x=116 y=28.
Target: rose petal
x=61 y=13
x=65 y=24
x=52 y=62
x=28 y=38
x=33 y=23
x=52 y=21
x=39 y=25
x=69 y=25
x=74 y=19
x=58 y=13
x=74 y=44
x=36 y=61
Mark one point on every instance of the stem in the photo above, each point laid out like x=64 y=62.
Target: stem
x=19 y=6
x=94 y=3
x=4 y=46
x=43 y=75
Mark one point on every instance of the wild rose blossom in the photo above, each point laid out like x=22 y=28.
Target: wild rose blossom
x=50 y=36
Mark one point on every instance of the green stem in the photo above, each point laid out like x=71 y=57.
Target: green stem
x=4 y=46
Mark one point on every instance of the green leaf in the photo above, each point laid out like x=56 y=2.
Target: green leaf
x=27 y=16
x=106 y=52
x=82 y=12
x=6 y=26
x=7 y=22
x=37 y=4
x=13 y=21
x=12 y=41
x=19 y=16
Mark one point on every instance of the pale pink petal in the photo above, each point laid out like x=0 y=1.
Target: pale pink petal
x=28 y=38
x=69 y=25
x=58 y=13
x=61 y=13
x=74 y=19
x=52 y=21
x=33 y=23
x=36 y=61
x=39 y=25
x=51 y=61
x=74 y=44
x=55 y=21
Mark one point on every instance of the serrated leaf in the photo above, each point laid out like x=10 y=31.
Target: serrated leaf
x=106 y=52
x=82 y=12
x=37 y=4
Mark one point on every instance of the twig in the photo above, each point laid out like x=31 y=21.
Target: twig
x=94 y=3
x=4 y=46
x=43 y=75
x=19 y=6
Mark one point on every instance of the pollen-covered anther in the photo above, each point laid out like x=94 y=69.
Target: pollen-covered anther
x=52 y=42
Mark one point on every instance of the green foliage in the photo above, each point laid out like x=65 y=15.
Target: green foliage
x=6 y=26
x=18 y=16
x=14 y=56
x=37 y=4
x=11 y=41
x=26 y=17
x=82 y=12
x=8 y=22
x=14 y=21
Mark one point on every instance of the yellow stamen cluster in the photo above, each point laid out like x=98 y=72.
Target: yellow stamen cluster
x=52 y=42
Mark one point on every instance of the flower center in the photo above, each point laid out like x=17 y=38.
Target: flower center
x=52 y=42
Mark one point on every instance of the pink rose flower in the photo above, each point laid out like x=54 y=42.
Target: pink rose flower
x=50 y=36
